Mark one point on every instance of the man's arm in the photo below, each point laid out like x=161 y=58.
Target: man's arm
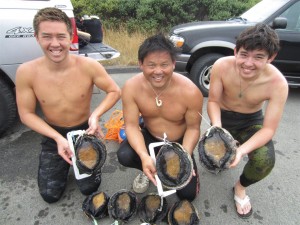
x=193 y=119
x=113 y=93
x=134 y=136
x=215 y=93
x=26 y=101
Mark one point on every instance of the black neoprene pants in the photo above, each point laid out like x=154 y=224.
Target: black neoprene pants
x=260 y=161
x=129 y=158
x=53 y=169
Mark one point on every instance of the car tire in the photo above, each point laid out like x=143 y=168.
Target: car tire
x=200 y=72
x=8 y=108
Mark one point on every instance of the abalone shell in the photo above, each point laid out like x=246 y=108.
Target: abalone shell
x=96 y=205
x=174 y=166
x=90 y=153
x=152 y=208
x=122 y=205
x=217 y=149
x=183 y=212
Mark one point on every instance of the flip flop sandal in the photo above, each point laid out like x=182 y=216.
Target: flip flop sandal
x=242 y=203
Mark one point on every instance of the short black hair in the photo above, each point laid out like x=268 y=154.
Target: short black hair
x=157 y=42
x=261 y=37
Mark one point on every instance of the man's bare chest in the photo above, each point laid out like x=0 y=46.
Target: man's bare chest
x=169 y=108
x=62 y=91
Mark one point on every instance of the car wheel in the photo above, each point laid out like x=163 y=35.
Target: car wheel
x=200 y=72
x=8 y=108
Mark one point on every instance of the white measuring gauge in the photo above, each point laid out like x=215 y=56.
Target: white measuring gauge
x=160 y=190
x=72 y=136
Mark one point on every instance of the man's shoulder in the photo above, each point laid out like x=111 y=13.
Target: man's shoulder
x=81 y=60
x=225 y=61
x=276 y=75
x=86 y=65
x=33 y=62
x=187 y=86
x=272 y=70
x=182 y=80
x=29 y=66
x=135 y=80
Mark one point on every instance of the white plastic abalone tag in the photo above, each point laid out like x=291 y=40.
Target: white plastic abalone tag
x=71 y=136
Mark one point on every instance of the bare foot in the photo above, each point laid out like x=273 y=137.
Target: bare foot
x=242 y=201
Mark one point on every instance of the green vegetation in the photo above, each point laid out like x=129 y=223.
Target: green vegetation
x=158 y=15
x=126 y=23
x=224 y=9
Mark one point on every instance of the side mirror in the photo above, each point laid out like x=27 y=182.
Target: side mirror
x=279 y=23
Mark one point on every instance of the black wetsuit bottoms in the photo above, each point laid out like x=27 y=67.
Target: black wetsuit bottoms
x=129 y=158
x=242 y=127
x=53 y=169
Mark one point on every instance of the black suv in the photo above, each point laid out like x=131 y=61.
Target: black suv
x=202 y=43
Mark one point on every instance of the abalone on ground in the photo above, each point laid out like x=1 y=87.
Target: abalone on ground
x=152 y=208
x=96 y=205
x=122 y=205
x=183 y=212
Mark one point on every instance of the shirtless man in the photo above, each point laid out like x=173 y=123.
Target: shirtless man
x=62 y=84
x=169 y=103
x=240 y=85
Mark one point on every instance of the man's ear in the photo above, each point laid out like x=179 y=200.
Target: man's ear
x=272 y=58
x=140 y=64
x=36 y=36
x=234 y=52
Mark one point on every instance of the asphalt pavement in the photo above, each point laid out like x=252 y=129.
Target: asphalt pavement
x=275 y=200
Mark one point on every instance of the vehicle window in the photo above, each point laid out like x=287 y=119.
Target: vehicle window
x=292 y=15
x=262 y=10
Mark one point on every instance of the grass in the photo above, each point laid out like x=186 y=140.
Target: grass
x=126 y=44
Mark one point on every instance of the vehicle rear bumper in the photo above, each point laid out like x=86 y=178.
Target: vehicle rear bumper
x=99 y=51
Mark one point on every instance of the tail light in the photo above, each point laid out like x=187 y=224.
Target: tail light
x=74 y=45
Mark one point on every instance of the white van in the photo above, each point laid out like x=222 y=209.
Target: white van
x=18 y=45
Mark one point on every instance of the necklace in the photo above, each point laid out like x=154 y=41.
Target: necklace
x=240 y=95
x=157 y=100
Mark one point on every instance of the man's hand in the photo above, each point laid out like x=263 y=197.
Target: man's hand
x=194 y=173
x=237 y=159
x=64 y=150
x=149 y=168
x=94 y=127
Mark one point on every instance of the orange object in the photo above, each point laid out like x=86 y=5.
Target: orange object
x=113 y=125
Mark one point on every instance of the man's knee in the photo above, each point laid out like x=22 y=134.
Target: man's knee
x=186 y=196
x=191 y=191
x=125 y=156
x=89 y=184
x=52 y=175
x=51 y=195
x=264 y=160
x=121 y=155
